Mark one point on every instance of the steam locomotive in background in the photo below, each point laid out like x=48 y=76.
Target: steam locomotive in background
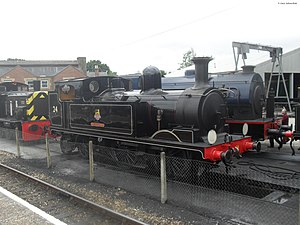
x=23 y=109
x=186 y=124
x=246 y=100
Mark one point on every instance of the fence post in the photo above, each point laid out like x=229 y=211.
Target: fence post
x=49 y=163
x=163 y=178
x=299 y=209
x=18 y=142
x=91 y=161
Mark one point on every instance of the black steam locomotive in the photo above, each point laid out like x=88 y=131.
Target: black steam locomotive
x=23 y=109
x=186 y=124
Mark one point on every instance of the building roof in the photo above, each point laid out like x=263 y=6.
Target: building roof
x=16 y=70
x=38 y=68
x=38 y=62
x=68 y=67
x=290 y=63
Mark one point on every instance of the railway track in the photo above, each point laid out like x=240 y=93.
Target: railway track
x=61 y=204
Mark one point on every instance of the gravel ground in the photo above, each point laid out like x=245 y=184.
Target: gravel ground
x=70 y=172
x=139 y=207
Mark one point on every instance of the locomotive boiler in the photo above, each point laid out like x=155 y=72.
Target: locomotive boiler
x=187 y=124
x=246 y=97
x=23 y=109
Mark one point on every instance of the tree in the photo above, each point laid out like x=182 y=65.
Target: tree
x=15 y=59
x=90 y=66
x=187 y=59
x=163 y=73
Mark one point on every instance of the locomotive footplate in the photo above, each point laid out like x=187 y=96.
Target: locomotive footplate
x=225 y=147
x=257 y=128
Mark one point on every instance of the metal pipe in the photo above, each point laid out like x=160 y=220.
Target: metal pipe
x=158 y=118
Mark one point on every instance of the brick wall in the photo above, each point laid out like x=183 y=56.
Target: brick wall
x=19 y=74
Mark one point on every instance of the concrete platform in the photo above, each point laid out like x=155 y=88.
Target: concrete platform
x=30 y=150
x=14 y=210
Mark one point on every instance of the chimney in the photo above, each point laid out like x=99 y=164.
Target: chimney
x=201 y=72
x=82 y=64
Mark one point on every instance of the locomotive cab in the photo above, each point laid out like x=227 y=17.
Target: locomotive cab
x=12 y=101
x=87 y=88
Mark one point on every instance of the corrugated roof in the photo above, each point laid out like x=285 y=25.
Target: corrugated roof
x=47 y=68
x=285 y=55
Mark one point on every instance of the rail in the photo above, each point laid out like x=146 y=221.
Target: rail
x=103 y=210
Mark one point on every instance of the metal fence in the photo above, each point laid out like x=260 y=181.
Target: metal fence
x=248 y=193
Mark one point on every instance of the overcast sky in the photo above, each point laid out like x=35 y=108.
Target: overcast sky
x=130 y=35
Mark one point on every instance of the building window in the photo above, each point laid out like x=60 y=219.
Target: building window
x=68 y=78
x=7 y=80
x=44 y=84
x=29 y=83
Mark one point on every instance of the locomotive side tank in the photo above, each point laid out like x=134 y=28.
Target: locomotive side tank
x=150 y=119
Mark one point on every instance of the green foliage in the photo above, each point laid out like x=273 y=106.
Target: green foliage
x=15 y=59
x=90 y=66
x=187 y=59
x=163 y=73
